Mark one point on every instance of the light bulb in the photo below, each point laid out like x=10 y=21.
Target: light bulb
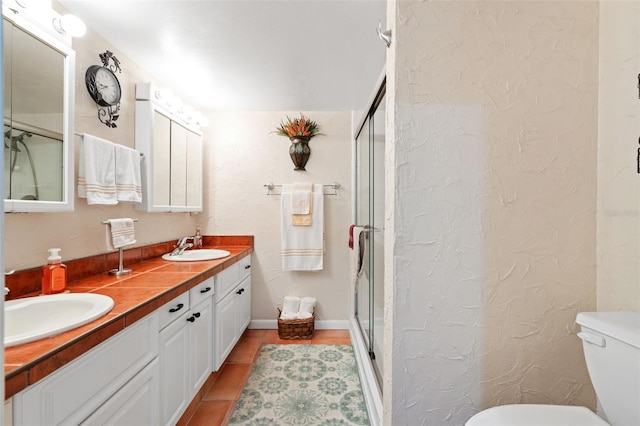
x=70 y=24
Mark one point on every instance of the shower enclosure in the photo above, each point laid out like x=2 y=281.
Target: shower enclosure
x=32 y=160
x=369 y=214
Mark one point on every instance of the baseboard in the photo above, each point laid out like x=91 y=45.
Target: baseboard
x=319 y=325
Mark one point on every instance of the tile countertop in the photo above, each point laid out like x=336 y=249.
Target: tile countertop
x=151 y=284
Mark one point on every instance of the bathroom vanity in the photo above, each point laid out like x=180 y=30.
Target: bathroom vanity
x=144 y=362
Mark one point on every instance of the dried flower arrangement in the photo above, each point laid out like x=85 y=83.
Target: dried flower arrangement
x=298 y=127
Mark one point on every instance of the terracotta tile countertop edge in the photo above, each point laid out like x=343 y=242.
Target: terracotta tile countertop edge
x=151 y=284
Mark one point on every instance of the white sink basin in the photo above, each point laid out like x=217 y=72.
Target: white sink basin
x=34 y=318
x=196 y=255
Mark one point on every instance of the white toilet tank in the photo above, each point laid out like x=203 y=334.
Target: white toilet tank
x=611 y=343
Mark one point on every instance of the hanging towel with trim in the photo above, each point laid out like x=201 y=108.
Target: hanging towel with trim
x=302 y=246
x=97 y=171
x=301 y=204
x=128 y=178
x=120 y=233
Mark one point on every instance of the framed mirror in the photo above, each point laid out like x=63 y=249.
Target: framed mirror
x=38 y=79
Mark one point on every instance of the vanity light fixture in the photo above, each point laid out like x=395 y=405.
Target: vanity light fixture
x=171 y=103
x=69 y=24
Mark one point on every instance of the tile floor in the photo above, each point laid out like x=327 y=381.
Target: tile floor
x=225 y=386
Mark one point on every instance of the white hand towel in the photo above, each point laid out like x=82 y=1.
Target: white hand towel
x=97 y=171
x=128 y=178
x=302 y=246
x=303 y=315
x=307 y=304
x=120 y=233
x=301 y=198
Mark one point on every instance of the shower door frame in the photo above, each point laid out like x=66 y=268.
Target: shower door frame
x=370 y=335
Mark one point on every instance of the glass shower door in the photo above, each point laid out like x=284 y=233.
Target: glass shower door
x=363 y=217
x=370 y=200
x=376 y=237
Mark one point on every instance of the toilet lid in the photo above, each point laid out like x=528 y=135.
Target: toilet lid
x=536 y=415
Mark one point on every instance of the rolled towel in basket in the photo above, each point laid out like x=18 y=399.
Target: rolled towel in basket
x=307 y=304
x=288 y=315
x=290 y=306
x=303 y=315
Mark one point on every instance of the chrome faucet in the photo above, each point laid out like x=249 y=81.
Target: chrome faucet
x=182 y=245
x=6 y=289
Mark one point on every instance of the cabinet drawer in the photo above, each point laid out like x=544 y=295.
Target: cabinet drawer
x=136 y=403
x=172 y=310
x=245 y=267
x=226 y=280
x=200 y=292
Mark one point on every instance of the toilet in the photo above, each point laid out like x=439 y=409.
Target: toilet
x=611 y=343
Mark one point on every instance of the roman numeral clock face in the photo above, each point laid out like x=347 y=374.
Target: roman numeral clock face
x=103 y=86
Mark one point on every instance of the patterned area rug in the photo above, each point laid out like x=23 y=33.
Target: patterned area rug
x=302 y=385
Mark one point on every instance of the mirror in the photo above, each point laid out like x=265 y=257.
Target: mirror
x=38 y=115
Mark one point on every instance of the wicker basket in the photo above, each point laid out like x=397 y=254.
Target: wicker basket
x=295 y=329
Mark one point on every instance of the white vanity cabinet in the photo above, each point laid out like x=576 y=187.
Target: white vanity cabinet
x=201 y=334
x=148 y=373
x=174 y=343
x=185 y=349
x=172 y=150
x=101 y=384
x=232 y=308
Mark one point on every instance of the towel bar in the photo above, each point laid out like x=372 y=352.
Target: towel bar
x=106 y=222
x=271 y=186
x=80 y=134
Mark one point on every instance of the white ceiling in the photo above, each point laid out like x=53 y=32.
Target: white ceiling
x=249 y=54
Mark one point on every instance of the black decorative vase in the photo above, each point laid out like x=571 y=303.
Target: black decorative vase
x=299 y=151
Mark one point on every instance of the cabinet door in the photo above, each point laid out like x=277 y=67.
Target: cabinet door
x=161 y=159
x=178 y=166
x=172 y=172
x=194 y=171
x=136 y=403
x=243 y=305
x=225 y=326
x=201 y=338
x=174 y=375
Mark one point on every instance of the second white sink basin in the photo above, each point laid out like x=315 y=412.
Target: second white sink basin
x=34 y=318
x=196 y=255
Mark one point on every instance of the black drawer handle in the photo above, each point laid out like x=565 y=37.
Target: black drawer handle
x=196 y=314
x=247 y=267
x=206 y=289
x=177 y=308
x=191 y=319
x=240 y=291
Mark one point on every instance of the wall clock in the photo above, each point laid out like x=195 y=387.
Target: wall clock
x=104 y=88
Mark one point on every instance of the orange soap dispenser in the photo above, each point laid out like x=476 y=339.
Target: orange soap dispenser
x=54 y=273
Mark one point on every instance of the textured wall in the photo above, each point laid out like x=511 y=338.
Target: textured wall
x=242 y=154
x=618 y=180
x=493 y=174
x=80 y=233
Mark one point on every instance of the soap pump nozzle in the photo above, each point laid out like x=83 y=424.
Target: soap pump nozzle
x=54 y=256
